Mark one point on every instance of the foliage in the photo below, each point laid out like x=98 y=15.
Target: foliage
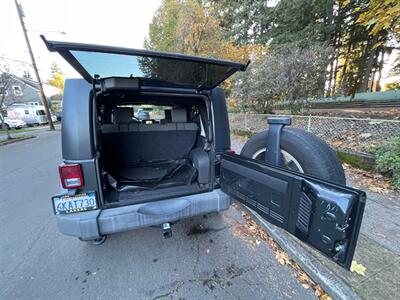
x=361 y=32
x=388 y=159
x=56 y=77
x=392 y=86
x=6 y=80
x=244 y=133
x=380 y=15
x=189 y=27
x=291 y=74
x=185 y=26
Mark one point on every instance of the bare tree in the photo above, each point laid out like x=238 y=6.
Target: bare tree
x=6 y=80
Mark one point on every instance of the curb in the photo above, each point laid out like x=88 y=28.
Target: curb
x=16 y=140
x=336 y=287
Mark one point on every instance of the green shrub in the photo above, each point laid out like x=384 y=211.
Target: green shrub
x=245 y=133
x=388 y=159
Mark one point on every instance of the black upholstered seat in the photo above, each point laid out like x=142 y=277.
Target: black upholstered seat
x=125 y=143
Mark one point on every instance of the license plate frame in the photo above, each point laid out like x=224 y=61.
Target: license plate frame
x=76 y=203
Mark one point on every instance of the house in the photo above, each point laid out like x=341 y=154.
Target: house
x=21 y=90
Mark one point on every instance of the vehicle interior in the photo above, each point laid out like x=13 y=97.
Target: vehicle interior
x=152 y=147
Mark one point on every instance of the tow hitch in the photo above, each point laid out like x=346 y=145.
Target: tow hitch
x=167 y=231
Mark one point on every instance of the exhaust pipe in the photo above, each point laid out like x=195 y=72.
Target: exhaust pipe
x=167 y=231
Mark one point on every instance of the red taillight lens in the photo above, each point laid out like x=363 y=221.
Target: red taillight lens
x=71 y=176
x=230 y=151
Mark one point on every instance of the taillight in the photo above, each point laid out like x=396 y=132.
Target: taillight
x=71 y=176
x=230 y=151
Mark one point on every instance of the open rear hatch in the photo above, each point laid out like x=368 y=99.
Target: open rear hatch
x=150 y=68
x=146 y=157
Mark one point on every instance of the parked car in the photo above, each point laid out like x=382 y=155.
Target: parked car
x=58 y=115
x=143 y=115
x=30 y=114
x=121 y=174
x=13 y=123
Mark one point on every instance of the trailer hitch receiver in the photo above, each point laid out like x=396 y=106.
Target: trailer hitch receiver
x=167 y=231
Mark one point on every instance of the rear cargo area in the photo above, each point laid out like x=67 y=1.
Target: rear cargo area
x=144 y=160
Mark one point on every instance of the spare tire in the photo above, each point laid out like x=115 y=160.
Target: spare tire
x=302 y=152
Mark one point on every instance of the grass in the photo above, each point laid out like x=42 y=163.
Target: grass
x=11 y=131
x=15 y=139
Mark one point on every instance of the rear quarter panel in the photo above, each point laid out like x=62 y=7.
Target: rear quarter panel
x=76 y=122
x=76 y=131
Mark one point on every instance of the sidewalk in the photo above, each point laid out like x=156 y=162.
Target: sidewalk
x=378 y=248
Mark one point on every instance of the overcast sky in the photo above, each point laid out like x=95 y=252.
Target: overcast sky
x=122 y=23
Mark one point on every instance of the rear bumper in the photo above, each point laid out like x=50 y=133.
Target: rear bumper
x=93 y=224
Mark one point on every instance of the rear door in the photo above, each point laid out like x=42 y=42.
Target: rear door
x=325 y=215
x=151 y=68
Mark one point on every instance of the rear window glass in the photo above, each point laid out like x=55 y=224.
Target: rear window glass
x=148 y=112
x=40 y=113
x=163 y=70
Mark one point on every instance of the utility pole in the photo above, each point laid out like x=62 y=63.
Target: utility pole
x=28 y=44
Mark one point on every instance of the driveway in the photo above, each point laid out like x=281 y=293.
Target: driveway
x=207 y=257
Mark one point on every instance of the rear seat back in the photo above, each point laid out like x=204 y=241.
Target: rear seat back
x=134 y=142
x=122 y=119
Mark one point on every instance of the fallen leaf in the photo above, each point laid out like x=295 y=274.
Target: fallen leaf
x=318 y=291
x=357 y=268
x=282 y=257
x=303 y=277
x=325 y=297
x=378 y=190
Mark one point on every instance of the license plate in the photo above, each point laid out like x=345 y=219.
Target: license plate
x=65 y=204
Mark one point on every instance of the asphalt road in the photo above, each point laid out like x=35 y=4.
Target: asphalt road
x=206 y=257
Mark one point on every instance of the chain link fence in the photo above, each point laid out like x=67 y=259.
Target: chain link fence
x=346 y=134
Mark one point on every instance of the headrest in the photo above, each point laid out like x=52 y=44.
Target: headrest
x=123 y=115
x=167 y=114
x=179 y=115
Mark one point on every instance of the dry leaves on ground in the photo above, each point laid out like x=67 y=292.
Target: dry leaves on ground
x=282 y=257
x=375 y=182
x=253 y=233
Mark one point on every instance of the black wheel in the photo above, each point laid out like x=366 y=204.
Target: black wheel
x=302 y=152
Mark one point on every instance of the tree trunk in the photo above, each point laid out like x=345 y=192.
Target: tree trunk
x=335 y=70
x=371 y=87
x=329 y=19
x=346 y=61
x=328 y=91
x=5 y=128
x=368 y=67
x=380 y=67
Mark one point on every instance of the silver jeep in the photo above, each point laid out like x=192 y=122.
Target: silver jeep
x=123 y=172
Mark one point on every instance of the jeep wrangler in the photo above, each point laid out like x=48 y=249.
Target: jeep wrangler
x=146 y=142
